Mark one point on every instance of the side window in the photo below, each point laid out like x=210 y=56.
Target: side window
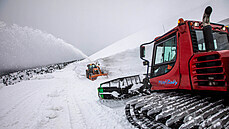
x=159 y=53
x=165 y=55
x=221 y=41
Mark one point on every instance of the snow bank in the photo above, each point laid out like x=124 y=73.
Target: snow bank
x=24 y=47
x=123 y=64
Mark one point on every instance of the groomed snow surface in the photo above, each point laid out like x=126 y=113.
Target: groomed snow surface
x=66 y=99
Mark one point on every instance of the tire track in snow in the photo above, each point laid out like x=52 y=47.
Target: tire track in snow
x=48 y=114
x=34 y=107
x=76 y=118
x=19 y=102
x=37 y=113
x=98 y=115
x=21 y=114
x=75 y=115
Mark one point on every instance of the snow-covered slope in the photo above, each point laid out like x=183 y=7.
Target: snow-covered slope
x=161 y=23
x=24 y=47
x=126 y=63
x=225 y=22
x=130 y=42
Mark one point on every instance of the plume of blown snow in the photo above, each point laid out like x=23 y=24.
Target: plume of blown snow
x=24 y=47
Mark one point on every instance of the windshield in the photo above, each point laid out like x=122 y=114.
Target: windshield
x=221 y=41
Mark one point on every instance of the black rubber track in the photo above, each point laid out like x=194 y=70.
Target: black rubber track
x=178 y=110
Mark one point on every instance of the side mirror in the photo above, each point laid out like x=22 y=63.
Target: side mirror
x=142 y=52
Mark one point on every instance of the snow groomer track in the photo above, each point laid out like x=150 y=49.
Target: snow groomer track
x=177 y=110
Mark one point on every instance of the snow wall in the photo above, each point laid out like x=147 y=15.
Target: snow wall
x=24 y=47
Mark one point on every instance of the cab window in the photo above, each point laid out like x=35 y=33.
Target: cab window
x=221 y=41
x=165 y=56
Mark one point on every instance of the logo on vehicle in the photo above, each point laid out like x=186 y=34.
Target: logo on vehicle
x=168 y=81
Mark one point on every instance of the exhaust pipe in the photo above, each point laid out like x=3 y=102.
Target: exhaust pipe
x=207 y=30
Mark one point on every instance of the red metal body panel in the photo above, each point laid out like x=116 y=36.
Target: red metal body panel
x=223 y=58
x=185 y=51
x=170 y=80
x=183 y=75
x=180 y=71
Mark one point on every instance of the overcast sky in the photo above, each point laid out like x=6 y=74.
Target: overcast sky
x=90 y=25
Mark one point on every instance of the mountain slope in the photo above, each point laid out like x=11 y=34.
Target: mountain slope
x=161 y=23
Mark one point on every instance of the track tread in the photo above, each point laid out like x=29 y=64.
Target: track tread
x=177 y=110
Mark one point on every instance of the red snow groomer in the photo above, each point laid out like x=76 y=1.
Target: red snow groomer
x=192 y=56
x=188 y=77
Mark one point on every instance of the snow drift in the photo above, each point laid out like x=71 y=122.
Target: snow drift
x=24 y=47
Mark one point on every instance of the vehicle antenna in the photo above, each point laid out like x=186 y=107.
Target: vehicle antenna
x=163 y=27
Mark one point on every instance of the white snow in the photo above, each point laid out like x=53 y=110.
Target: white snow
x=24 y=47
x=67 y=99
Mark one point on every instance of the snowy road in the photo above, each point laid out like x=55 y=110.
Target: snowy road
x=61 y=100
